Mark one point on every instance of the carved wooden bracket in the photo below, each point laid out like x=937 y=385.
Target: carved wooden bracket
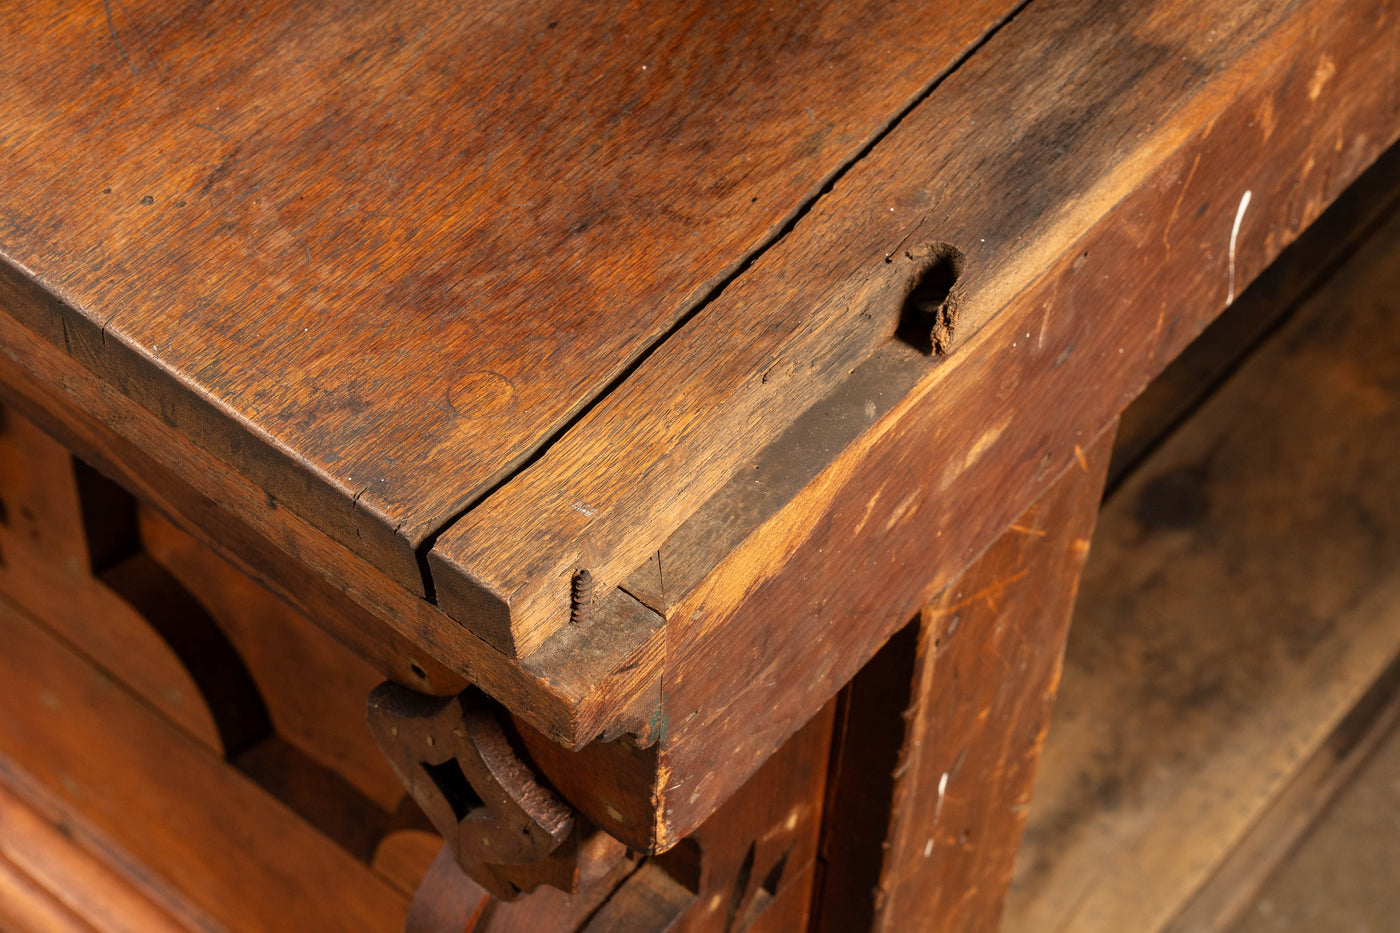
x=508 y=832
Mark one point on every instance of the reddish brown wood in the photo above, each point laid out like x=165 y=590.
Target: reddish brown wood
x=314 y=686
x=414 y=224
x=44 y=568
x=810 y=593
x=777 y=484
x=988 y=660
x=1095 y=103
x=223 y=843
x=447 y=901
x=55 y=875
x=751 y=867
x=587 y=681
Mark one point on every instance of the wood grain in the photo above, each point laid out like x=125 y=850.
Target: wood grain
x=585 y=682
x=990 y=650
x=1260 y=309
x=209 y=832
x=813 y=591
x=1240 y=601
x=424 y=234
x=1095 y=103
x=54 y=877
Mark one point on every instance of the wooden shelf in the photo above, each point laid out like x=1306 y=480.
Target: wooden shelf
x=1234 y=652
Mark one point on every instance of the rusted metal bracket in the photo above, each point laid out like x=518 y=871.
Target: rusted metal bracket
x=505 y=829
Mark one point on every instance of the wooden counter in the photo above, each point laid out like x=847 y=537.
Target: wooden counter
x=613 y=382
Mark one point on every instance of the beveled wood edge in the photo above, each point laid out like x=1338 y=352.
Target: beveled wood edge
x=1204 y=285
x=279 y=472
x=569 y=715
x=464 y=559
x=572 y=699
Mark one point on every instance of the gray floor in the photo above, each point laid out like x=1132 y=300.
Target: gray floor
x=1344 y=877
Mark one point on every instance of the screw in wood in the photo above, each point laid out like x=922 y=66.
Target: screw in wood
x=581 y=597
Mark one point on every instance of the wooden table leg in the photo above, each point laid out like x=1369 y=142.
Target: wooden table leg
x=926 y=810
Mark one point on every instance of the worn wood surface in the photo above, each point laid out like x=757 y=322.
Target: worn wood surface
x=817 y=587
x=986 y=666
x=751 y=867
x=1260 y=309
x=586 y=681
x=1124 y=143
x=1095 y=103
x=1240 y=601
x=425 y=234
x=574 y=695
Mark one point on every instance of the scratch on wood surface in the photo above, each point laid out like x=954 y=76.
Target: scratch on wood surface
x=1022 y=529
x=1083 y=460
x=1234 y=236
x=1171 y=218
x=938 y=808
x=112 y=30
x=986 y=593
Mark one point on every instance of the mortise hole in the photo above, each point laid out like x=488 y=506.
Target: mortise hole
x=928 y=314
x=453 y=783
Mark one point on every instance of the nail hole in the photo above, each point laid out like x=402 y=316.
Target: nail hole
x=929 y=312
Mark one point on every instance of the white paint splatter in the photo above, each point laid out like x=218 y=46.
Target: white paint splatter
x=586 y=510
x=1234 y=236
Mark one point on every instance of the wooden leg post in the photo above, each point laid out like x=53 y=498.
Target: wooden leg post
x=927 y=840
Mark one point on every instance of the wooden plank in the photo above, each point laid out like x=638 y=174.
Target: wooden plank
x=811 y=593
x=414 y=224
x=572 y=689
x=52 y=879
x=44 y=568
x=27 y=908
x=1083 y=122
x=314 y=687
x=175 y=807
x=757 y=850
x=1290 y=816
x=1299 y=269
x=987 y=664
x=1342 y=876
x=1241 y=600
x=124 y=610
